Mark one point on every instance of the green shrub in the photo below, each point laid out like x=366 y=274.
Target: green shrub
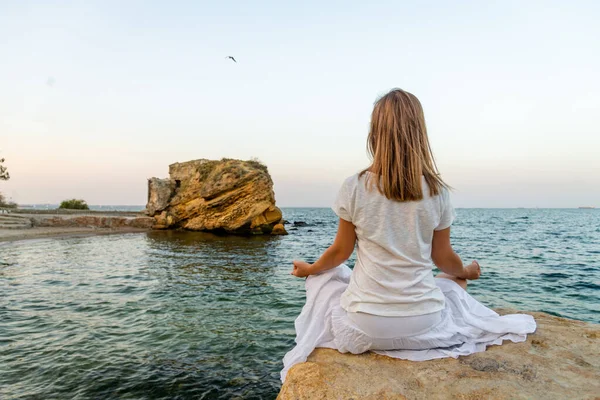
x=256 y=163
x=74 y=204
x=4 y=175
x=5 y=204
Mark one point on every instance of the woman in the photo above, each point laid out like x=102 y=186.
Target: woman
x=398 y=214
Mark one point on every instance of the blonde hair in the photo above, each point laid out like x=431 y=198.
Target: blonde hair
x=400 y=150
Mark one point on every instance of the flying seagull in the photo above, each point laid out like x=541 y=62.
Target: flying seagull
x=232 y=59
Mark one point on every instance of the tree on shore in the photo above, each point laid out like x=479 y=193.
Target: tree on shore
x=4 y=176
x=7 y=204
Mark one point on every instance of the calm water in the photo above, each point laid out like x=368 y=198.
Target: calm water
x=188 y=315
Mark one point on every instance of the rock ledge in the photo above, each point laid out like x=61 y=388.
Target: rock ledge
x=561 y=360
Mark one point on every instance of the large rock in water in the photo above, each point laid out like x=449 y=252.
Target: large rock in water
x=230 y=196
x=561 y=360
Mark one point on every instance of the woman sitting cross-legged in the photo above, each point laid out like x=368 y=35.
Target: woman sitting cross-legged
x=398 y=214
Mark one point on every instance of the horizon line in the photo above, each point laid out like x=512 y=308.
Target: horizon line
x=296 y=206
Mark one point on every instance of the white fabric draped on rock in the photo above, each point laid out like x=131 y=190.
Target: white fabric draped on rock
x=467 y=326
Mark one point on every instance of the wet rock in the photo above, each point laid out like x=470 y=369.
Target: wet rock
x=279 y=229
x=300 y=223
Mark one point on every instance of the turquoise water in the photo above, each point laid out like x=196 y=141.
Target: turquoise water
x=189 y=315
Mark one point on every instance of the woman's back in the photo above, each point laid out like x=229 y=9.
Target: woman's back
x=397 y=213
x=393 y=272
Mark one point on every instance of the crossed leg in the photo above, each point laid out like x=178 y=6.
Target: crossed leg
x=461 y=282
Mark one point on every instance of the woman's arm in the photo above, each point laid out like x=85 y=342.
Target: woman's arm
x=337 y=253
x=447 y=260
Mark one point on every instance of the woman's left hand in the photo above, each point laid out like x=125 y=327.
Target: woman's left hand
x=301 y=269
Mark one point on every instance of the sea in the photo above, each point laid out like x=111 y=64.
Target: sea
x=183 y=315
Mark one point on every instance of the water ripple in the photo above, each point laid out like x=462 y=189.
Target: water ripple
x=172 y=315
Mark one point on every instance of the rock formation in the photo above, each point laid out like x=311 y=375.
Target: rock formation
x=229 y=196
x=561 y=360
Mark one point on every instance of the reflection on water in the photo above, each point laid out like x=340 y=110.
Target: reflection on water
x=194 y=315
x=159 y=315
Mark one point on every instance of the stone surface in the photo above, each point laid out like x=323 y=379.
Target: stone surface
x=561 y=360
x=279 y=229
x=230 y=196
x=9 y=221
x=159 y=194
x=92 y=221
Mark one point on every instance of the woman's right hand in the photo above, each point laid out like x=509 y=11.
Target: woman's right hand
x=472 y=271
x=301 y=269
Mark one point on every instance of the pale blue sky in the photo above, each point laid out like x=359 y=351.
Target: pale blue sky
x=97 y=96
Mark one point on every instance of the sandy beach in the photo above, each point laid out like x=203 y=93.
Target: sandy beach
x=25 y=226
x=11 y=235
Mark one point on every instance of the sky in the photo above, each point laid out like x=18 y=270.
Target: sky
x=98 y=96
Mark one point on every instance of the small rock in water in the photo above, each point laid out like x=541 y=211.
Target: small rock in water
x=300 y=223
x=279 y=229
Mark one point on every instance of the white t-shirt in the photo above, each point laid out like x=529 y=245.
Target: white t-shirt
x=393 y=274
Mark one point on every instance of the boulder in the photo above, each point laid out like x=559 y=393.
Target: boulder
x=279 y=229
x=159 y=194
x=561 y=360
x=230 y=196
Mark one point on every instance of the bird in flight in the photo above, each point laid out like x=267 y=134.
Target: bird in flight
x=232 y=59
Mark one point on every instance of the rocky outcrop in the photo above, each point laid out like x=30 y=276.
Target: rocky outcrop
x=229 y=196
x=561 y=360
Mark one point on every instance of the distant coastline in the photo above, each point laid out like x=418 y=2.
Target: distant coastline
x=129 y=208
x=38 y=222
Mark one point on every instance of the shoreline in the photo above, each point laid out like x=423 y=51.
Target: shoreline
x=17 y=235
x=24 y=225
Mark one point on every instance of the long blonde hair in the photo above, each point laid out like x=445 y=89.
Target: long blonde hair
x=400 y=150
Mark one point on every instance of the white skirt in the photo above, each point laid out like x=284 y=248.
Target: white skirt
x=466 y=326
